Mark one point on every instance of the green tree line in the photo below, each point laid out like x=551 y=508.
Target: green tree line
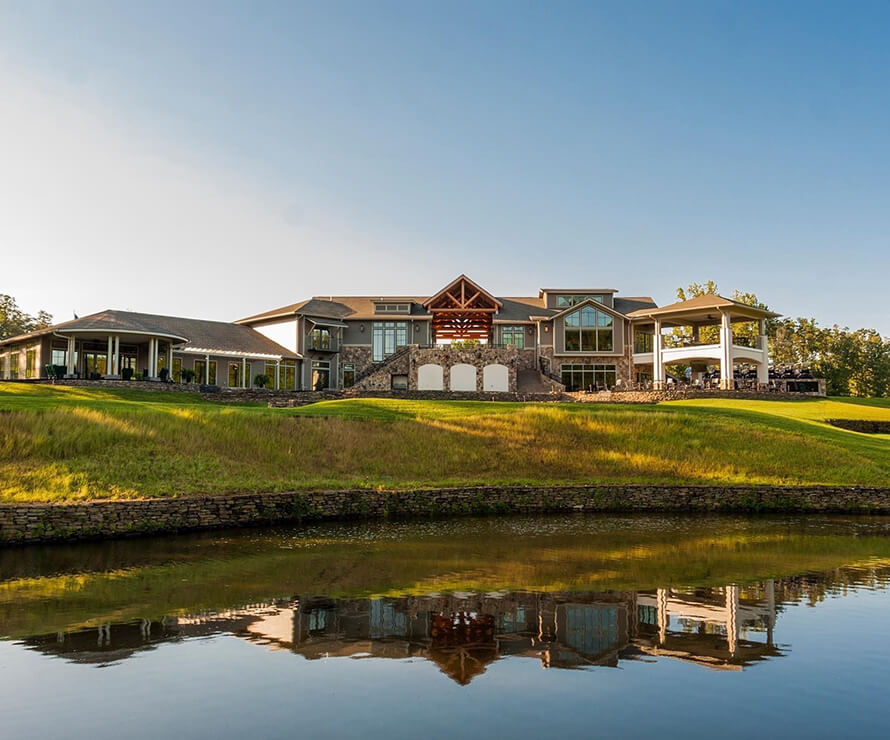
x=14 y=321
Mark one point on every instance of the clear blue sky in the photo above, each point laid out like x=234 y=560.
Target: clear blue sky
x=215 y=160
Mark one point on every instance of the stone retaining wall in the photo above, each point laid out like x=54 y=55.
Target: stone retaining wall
x=24 y=523
x=864 y=426
x=133 y=385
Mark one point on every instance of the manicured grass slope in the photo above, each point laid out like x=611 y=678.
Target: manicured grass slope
x=61 y=443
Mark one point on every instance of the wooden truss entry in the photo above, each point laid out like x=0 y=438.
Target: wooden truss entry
x=462 y=310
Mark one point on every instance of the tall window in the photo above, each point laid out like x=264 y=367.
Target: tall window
x=13 y=365
x=564 y=301
x=176 y=373
x=201 y=372
x=321 y=375
x=588 y=377
x=321 y=339
x=288 y=374
x=348 y=374
x=589 y=330
x=514 y=335
x=30 y=363
x=387 y=337
x=643 y=341
x=235 y=380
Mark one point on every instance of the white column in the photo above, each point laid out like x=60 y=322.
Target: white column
x=152 y=357
x=245 y=382
x=206 y=369
x=732 y=618
x=117 y=355
x=658 y=376
x=763 y=367
x=71 y=350
x=726 y=376
x=661 y=610
x=109 y=368
x=277 y=375
x=170 y=361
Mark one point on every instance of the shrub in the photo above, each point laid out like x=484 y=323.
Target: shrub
x=127 y=373
x=262 y=381
x=187 y=375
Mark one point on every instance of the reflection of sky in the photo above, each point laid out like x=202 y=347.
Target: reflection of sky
x=831 y=683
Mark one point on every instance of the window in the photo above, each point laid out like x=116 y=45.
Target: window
x=235 y=375
x=30 y=362
x=288 y=372
x=392 y=308
x=94 y=364
x=589 y=330
x=201 y=372
x=177 y=370
x=13 y=365
x=643 y=342
x=399 y=382
x=321 y=339
x=348 y=374
x=565 y=301
x=60 y=357
x=270 y=370
x=321 y=375
x=514 y=335
x=387 y=337
x=588 y=377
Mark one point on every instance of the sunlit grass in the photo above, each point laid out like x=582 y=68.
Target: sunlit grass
x=62 y=443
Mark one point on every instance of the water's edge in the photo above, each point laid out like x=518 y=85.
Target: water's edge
x=49 y=522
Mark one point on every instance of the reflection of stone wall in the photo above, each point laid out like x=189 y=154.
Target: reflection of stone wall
x=103 y=519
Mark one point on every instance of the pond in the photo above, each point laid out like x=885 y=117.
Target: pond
x=575 y=626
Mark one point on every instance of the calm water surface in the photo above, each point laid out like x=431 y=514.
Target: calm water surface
x=519 y=627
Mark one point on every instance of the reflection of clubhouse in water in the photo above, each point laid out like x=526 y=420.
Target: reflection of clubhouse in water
x=462 y=633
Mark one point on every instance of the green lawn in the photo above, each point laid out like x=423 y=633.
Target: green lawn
x=62 y=443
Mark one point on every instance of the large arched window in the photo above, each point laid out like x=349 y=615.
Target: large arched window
x=589 y=330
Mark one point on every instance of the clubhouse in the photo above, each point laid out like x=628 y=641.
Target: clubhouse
x=461 y=339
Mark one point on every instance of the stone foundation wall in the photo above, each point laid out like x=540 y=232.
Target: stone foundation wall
x=136 y=385
x=653 y=396
x=25 y=523
x=512 y=358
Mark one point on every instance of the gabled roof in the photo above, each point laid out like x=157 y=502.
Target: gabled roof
x=186 y=334
x=461 y=278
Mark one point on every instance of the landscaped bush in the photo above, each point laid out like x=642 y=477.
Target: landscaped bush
x=262 y=381
x=187 y=375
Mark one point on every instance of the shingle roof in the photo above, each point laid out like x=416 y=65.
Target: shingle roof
x=198 y=334
x=514 y=308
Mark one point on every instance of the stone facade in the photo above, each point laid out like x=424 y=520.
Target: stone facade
x=26 y=523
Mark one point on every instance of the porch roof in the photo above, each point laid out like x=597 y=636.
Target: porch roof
x=186 y=334
x=704 y=310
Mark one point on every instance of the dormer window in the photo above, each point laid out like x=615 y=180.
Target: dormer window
x=566 y=301
x=392 y=308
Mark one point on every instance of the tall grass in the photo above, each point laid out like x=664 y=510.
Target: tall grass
x=65 y=444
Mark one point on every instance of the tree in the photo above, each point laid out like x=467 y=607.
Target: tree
x=14 y=321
